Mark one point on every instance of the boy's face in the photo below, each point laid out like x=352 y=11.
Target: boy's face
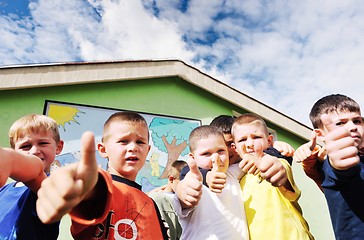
x=126 y=147
x=350 y=120
x=233 y=155
x=249 y=137
x=208 y=147
x=40 y=144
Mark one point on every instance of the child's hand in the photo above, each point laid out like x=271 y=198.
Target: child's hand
x=284 y=148
x=216 y=178
x=340 y=146
x=271 y=169
x=247 y=164
x=305 y=151
x=189 y=190
x=218 y=165
x=68 y=186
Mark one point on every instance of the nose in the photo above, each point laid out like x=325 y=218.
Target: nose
x=132 y=146
x=214 y=156
x=352 y=127
x=249 y=142
x=34 y=150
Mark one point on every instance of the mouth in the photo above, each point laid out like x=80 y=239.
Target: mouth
x=356 y=137
x=250 y=152
x=132 y=159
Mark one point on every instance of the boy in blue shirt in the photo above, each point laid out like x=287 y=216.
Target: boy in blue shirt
x=33 y=135
x=337 y=120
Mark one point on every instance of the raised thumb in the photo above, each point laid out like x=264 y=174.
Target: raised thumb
x=194 y=169
x=218 y=165
x=88 y=155
x=312 y=143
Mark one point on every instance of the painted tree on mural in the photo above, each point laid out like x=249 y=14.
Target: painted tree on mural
x=171 y=136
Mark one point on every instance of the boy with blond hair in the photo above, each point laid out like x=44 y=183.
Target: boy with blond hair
x=38 y=137
x=270 y=197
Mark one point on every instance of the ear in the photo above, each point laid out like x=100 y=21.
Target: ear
x=270 y=140
x=102 y=150
x=233 y=146
x=149 y=148
x=320 y=133
x=59 y=147
x=170 y=178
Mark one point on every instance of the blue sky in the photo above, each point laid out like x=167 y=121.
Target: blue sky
x=286 y=54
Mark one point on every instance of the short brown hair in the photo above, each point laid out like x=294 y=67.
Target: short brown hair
x=333 y=103
x=126 y=116
x=32 y=123
x=202 y=132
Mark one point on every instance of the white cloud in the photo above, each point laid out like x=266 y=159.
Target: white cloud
x=286 y=54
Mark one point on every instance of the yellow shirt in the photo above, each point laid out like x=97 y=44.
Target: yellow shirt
x=272 y=212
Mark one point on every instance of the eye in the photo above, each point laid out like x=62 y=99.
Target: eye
x=358 y=122
x=44 y=143
x=340 y=123
x=141 y=142
x=26 y=147
x=242 y=140
x=221 y=151
x=123 y=141
x=206 y=154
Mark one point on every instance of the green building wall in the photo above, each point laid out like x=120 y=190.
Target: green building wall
x=167 y=96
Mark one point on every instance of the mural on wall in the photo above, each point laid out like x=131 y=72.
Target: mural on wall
x=168 y=138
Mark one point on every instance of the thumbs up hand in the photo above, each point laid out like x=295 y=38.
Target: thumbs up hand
x=305 y=151
x=270 y=168
x=189 y=190
x=66 y=187
x=218 y=165
x=250 y=161
x=216 y=178
x=340 y=146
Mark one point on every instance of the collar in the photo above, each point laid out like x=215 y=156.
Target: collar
x=126 y=181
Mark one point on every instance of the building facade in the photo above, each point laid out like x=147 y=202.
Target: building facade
x=165 y=88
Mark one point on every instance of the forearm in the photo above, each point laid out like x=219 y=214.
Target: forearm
x=21 y=167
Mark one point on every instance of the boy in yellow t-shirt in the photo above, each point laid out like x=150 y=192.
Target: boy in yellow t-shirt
x=270 y=197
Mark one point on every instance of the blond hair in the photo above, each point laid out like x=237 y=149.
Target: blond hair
x=250 y=118
x=32 y=123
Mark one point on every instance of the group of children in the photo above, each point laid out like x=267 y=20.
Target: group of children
x=236 y=186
